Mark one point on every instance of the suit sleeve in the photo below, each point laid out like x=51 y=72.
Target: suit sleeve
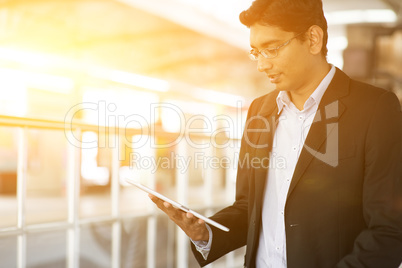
x=380 y=244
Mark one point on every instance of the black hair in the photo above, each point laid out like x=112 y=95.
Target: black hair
x=289 y=15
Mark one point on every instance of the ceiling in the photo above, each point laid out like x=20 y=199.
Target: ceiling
x=174 y=40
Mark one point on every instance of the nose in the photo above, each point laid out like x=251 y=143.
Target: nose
x=263 y=64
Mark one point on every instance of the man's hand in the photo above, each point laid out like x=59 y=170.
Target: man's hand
x=192 y=226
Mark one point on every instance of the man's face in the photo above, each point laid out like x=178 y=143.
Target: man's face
x=290 y=70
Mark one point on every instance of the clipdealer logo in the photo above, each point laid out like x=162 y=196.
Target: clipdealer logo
x=259 y=127
x=111 y=122
x=330 y=113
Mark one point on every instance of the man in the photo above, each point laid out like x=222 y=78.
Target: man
x=337 y=201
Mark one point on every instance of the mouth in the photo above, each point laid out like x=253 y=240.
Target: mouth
x=274 y=78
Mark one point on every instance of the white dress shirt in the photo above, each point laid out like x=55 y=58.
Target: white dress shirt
x=291 y=132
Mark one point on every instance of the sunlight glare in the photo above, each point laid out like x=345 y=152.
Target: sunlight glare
x=13 y=96
x=132 y=79
x=361 y=16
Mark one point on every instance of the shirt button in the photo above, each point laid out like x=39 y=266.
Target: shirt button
x=282 y=212
x=301 y=117
x=294 y=148
x=277 y=248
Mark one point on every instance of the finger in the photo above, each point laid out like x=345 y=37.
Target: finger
x=160 y=203
x=190 y=219
x=167 y=205
x=154 y=199
x=186 y=221
x=175 y=214
x=201 y=221
x=194 y=219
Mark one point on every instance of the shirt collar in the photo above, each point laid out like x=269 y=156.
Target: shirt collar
x=283 y=98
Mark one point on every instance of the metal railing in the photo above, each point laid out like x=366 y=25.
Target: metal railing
x=74 y=222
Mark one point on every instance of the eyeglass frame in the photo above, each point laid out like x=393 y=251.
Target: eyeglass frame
x=261 y=52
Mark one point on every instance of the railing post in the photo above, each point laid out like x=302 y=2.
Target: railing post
x=182 y=190
x=152 y=220
x=21 y=194
x=115 y=191
x=73 y=190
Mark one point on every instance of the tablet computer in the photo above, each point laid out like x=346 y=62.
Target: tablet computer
x=178 y=205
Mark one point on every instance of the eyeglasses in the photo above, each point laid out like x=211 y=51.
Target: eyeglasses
x=269 y=53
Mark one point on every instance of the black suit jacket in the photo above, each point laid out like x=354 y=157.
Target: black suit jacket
x=344 y=205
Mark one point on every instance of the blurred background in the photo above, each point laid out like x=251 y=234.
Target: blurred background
x=96 y=91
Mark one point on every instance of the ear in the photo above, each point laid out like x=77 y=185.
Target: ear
x=315 y=36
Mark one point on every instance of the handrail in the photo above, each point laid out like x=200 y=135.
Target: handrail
x=37 y=123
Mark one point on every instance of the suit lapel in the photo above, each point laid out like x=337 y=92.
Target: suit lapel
x=263 y=140
x=263 y=155
x=269 y=111
x=322 y=134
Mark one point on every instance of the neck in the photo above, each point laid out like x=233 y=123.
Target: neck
x=300 y=97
